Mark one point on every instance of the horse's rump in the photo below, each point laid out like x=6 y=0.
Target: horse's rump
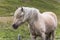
x=50 y=20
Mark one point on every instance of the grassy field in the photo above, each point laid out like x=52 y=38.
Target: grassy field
x=7 y=8
x=8 y=33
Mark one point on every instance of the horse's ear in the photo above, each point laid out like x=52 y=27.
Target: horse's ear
x=22 y=9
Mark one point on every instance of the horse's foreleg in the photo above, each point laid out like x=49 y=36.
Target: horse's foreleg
x=33 y=37
x=43 y=36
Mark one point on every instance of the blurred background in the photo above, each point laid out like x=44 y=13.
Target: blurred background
x=7 y=8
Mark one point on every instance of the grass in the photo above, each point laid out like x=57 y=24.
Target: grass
x=8 y=33
x=7 y=8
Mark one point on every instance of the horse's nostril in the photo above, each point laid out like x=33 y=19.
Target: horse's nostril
x=15 y=26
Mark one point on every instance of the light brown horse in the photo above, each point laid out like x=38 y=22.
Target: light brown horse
x=42 y=25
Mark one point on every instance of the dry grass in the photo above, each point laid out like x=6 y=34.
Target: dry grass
x=10 y=19
x=6 y=19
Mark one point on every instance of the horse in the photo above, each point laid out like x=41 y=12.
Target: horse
x=40 y=24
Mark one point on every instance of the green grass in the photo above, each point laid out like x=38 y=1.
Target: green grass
x=7 y=7
x=8 y=33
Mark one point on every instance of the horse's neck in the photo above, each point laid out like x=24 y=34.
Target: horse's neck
x=35 y=22
x=35 y=18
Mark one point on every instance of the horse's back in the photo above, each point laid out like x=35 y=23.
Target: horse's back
x=50 y=20
x=50 y=14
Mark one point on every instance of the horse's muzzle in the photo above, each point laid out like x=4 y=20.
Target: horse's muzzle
x=15 y=26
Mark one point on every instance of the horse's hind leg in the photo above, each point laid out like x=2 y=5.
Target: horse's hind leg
x=53 y=35
x=48 y=36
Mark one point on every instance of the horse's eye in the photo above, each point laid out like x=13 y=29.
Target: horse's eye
x=21 y=16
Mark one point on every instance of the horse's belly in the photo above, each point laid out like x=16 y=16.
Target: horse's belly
x=35 y=31
x=49 y=28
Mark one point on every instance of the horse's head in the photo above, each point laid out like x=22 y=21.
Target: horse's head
x=24 y=14
x=20 y=17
